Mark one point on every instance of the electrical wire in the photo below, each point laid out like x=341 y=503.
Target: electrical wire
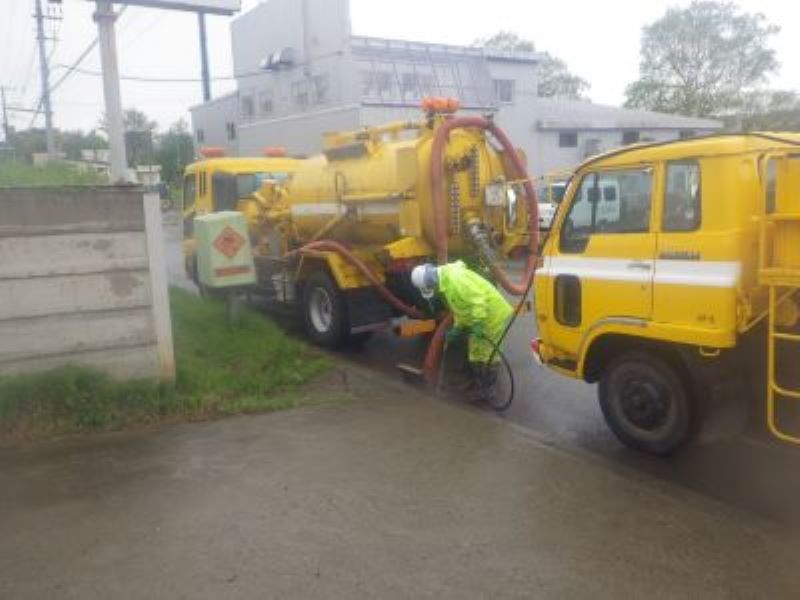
x=74 y=68
x=71 y=68
x=159 y=79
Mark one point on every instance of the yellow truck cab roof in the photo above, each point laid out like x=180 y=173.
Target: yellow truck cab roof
x=706 y=146
x=236 y=164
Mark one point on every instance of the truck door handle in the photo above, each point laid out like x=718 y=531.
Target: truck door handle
x=639 y=265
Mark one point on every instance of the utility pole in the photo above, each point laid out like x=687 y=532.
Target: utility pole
x=44 y=69
x=106 y=35
x=201 y=21
x=6 y=127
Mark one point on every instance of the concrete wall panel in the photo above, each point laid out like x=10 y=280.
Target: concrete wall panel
x=42 y=296
x=75 y=333
x=64 y=254
x=82 y=281
x=135 y=362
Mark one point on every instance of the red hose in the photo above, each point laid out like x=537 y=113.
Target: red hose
x=433 y=356
x=438 y=196
x=344 y=252
x=434 y=353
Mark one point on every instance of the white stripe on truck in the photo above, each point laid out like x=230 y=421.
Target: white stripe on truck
x=699 y=273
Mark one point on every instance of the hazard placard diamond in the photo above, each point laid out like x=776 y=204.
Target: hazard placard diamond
x=229 y=242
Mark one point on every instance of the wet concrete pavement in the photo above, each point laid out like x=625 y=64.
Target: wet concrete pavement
x=733 y=460
x=394 y=494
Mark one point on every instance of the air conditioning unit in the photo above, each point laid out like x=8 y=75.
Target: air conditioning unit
x=280 y=59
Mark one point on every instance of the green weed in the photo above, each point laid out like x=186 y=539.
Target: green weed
x=220 y=371
x=18 y=173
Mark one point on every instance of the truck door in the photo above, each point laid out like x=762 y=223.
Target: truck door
x=601 y=264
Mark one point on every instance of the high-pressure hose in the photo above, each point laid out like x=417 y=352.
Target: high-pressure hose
x=434 y=353
x=344 y=252
x=520 y=174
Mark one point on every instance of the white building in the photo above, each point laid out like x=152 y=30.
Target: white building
x=300 y=73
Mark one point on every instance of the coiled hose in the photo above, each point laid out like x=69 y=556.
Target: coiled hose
x=433 y=355
x=434 y=352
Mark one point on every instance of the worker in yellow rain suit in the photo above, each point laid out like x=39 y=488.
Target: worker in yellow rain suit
x=478 y=308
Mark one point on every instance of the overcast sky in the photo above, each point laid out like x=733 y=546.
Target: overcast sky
x=598 y=40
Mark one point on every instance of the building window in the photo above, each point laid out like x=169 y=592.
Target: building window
x=384 y=83
x=685 y=134
x=409 y=85
x=230 y=129
x=504 y=90
x=265 y=105
x=248 y=107
x=682 y=197
x=300 y=94
x=568 y=139
x=321 y=88
x=200 y=136
x=630 y=137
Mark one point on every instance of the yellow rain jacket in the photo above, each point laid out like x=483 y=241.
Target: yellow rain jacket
x=474 y=302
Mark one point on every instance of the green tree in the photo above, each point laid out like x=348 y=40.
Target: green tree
x=770 y=111
x=703 y=60
x=555 y=79
x=136 y=120
x=73 y=142
x=174 y=150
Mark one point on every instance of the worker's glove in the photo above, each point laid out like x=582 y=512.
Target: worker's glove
x=454 y=333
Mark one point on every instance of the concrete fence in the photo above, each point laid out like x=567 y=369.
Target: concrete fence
x=83 y=281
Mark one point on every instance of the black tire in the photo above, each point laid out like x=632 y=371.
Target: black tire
x=646 y=403
x=324 y=311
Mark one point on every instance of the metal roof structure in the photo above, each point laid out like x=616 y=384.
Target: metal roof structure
x=400 y=72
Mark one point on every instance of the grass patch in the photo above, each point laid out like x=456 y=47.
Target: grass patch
x=15 y=172
x=220 y=371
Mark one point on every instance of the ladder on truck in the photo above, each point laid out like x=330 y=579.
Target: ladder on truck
x=779 y=272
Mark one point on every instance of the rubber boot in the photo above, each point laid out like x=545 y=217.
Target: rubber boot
x=484 y=382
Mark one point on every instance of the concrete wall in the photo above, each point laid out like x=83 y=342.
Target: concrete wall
x=311 y=28
x=316 y=33
x=83 y=281
x=211 y=119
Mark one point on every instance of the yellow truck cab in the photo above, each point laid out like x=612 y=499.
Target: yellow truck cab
x=224 y=183
x=661 y=260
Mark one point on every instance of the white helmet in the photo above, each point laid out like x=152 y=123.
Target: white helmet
x=425 y=278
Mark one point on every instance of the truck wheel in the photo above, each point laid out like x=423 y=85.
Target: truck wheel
x=646 y=403
x=324 y=311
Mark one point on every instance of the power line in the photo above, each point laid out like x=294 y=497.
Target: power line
x=144 y=79
x=71 y=69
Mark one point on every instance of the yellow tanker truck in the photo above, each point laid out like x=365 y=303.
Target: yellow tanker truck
x=339 y=238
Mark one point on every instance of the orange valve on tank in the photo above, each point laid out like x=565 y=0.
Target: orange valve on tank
x=453 y=105
x=212 y=152
x=275 y=151
x=440 y=104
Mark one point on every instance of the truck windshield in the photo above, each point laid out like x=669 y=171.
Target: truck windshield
x=247 y=183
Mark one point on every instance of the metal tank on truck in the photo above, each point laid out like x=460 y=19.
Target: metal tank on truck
x=340 y=238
